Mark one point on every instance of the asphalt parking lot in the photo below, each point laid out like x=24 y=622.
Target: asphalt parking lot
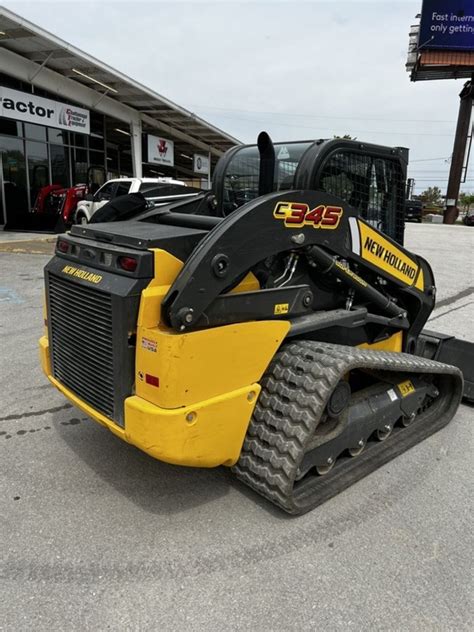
x=98 y=536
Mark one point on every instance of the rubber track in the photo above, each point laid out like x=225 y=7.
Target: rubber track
x=295 y=390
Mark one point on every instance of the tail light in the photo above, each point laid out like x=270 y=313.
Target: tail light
x=62 y=246
x=129 y=264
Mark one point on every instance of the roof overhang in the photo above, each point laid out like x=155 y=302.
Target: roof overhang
x=45 y=51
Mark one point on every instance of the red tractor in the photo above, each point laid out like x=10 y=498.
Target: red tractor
x=55 y=205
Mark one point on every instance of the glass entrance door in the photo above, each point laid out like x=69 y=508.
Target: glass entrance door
x=13 y=178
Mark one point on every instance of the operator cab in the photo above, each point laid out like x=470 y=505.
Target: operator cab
x=371 y=178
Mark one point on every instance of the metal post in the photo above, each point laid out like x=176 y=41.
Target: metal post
x=209 y=171
x=459 y=149
x=136 y=142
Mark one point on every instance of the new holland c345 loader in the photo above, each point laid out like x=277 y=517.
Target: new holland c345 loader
x=273 y=325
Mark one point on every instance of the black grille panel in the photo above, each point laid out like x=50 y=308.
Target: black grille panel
x=81 y=341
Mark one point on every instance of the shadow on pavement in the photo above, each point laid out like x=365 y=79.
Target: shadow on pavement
x=155 y=486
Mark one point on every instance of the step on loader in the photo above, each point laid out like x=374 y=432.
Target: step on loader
x=273 y=325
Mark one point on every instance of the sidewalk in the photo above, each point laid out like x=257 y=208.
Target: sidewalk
x=23 y=242
x=8 y=236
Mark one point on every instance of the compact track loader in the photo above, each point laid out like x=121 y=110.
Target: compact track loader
x=273 y=325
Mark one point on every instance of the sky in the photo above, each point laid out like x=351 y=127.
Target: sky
x=297 y=69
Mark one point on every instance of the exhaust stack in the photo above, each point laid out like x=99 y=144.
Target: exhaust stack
x=267 y=163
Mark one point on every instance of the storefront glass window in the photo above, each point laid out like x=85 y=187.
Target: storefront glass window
x=79 y=140
x=35 y=132
x=112 y=159
x=96 y=142
x=96 y=158
x=126 y=167
x=14 y=175
x=38 y=167
x=96 y=138
x=58 y=136
x=60 y=165
x=79 y=165
x=10 y=128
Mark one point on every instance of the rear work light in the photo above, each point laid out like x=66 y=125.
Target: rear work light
x=62 y=245
x=129 y=264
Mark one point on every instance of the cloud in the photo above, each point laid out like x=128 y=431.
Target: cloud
x=297 y=69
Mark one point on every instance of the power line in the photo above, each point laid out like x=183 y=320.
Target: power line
x=320 y=116
x=428 y=159
x=332 y=130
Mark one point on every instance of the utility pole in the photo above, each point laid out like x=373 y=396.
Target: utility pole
x=459 y=150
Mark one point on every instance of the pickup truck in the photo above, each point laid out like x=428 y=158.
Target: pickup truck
x=157 y=190
x=413 y=211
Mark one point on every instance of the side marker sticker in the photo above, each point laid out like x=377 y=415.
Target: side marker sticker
x=281 y=308
x=393 y=396
x=406 y=388
x=149 y=345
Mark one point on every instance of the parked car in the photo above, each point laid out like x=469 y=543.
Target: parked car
x=413 y=211
x=157 y=190
x=468 y=219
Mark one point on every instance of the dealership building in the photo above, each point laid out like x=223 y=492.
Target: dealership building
x=66 y=118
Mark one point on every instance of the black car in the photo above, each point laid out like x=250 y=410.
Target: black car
x=413 y=211
x=469 y=218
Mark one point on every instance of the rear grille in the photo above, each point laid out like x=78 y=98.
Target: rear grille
x=81 y=342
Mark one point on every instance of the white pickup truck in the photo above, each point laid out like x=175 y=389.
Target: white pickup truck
x=158 y=190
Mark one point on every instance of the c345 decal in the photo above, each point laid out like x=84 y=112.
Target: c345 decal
x=298 y=214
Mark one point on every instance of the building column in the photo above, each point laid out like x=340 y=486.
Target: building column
x=137 y=160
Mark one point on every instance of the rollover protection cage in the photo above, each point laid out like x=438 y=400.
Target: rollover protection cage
x=369 y=177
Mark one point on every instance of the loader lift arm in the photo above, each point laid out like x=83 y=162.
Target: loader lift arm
x=263 y=230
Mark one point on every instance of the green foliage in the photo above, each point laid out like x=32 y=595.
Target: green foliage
x=466 y=200
x=432 y=196
x=346 y=137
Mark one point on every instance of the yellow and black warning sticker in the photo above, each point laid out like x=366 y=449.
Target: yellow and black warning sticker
x=82 y=274
x=385 y=255
x=281 y=308
x=406 y=388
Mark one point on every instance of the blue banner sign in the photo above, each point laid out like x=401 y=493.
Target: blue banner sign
x=447 y=24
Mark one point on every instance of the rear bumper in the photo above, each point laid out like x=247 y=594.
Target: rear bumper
x=206 y=434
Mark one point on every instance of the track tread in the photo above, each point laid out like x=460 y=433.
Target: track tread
x=295 y=390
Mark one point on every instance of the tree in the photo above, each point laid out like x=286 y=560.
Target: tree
x=432 y=196
x=466 y=200
x=346 y=137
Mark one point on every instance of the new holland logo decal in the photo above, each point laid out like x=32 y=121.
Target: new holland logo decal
x=82 y=274
x=382 y=253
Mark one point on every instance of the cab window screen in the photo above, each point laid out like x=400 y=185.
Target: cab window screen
x=242 y=174
x=373 y=186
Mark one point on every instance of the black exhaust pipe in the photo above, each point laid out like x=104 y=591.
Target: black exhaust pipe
x=267 y=163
